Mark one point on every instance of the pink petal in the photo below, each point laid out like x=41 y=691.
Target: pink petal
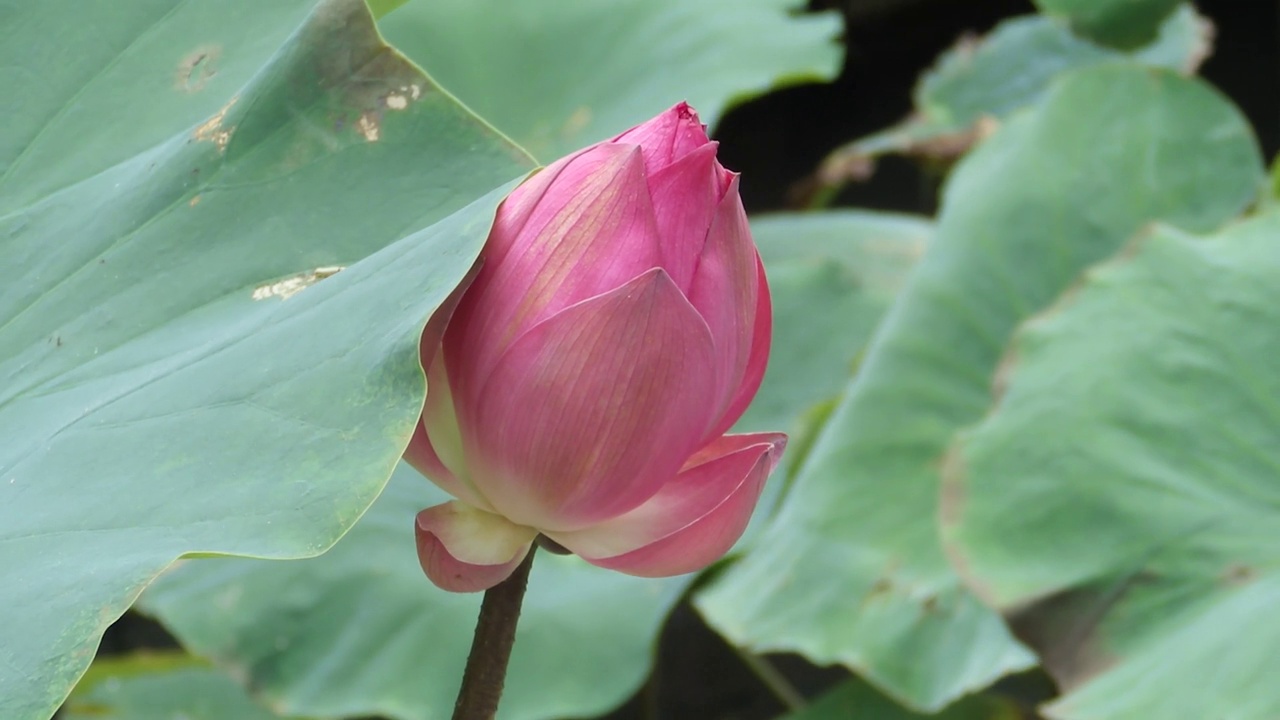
x=591 y=232
x=591 y=411
x=694 y=519
x=726 y=292
x=667 y=137
x=463 y=549
x=436 y=448
x=514 y=211
x=757 y=361
x=685 y=197
x=448 y=471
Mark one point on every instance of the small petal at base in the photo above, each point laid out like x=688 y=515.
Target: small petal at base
x=463 y=549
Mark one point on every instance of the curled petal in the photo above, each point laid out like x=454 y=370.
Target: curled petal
x=726 y=291
x=591 y=232
x=667 y=137
x=588 y=413
x=464 y=549
x=693 y=520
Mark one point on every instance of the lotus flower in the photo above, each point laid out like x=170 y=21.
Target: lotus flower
x=618 y=326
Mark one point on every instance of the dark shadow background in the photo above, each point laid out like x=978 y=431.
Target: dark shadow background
x=776 y=141
x=780 y=138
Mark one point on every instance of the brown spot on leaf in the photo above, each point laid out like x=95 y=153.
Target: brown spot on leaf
x=194 y=201
x=369 y=125
x=1237 y=574
x=365 y=76
x=212 y=130
x=290 y=286
x=196 y=68
x=882 y=586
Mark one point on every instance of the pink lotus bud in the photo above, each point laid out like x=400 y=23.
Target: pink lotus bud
x=618 y=326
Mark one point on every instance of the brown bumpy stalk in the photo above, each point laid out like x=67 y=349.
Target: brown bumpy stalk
x=491 y=646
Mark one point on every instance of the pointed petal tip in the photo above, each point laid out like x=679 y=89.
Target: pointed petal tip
x=667 y=136
x=462 y=549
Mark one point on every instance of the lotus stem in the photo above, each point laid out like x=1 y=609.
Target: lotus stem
x=486 y=670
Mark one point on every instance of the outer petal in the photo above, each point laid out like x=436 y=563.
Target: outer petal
x=463 y=549
x=757 y=361
x=667 y=137
x=514 y=212
x=694 y=519
x=589 y=233
x=685 y=196
x=590 y=412
x=726 y=292
x=437 y=454
x=436 y=447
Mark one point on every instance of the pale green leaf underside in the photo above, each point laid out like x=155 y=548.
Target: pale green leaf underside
x=832 y=276
x=1123 y=501
x=851 y=569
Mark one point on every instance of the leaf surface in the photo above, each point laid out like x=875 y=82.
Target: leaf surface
x=186 y=366
x=851 y=569
x=1122 y=502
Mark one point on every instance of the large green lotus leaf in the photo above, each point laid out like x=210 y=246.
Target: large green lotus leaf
x=980 y=83
x=559 y=74
x=160 y=686
x=178 y=374
x=856 y=700
x=851 y=569
x=1122 y=23
x=360 y=630
x=851 y=264
x=1122 y=503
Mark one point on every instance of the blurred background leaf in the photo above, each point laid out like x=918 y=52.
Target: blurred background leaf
x=832 y=276
x=160 y=686
x=982 y=82
x=1121 y=23
x=851 y=570
x=1122 y=502
x=167 y=188
x=557 y=75
x=856 y=700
